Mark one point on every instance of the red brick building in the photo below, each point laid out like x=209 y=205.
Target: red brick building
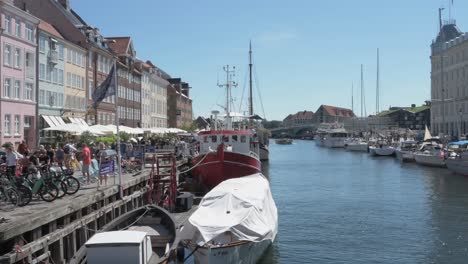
x=299 y=118
x=129 y=81
x=179 y=104
x=331 y=114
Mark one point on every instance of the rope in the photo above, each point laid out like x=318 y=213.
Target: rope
x=198 y=163
x=191 y=253
x=134 y=222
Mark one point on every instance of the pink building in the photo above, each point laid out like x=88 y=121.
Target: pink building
x=17 y=75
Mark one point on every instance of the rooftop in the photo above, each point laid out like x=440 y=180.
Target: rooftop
x=44 y=26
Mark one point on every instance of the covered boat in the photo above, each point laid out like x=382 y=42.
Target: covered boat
x=234 y=223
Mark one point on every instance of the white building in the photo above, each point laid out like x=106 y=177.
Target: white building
x=154 y=96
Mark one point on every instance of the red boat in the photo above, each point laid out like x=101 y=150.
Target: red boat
x=225 y=154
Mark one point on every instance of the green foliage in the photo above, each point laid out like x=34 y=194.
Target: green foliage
x=87 y=138
x=189 y=127
x=7 y=145
x=124 y=136
x=108 y=140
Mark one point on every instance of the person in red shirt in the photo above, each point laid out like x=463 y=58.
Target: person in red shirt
x=86 y=162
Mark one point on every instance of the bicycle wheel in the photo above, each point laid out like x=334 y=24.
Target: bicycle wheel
x=12 y=196
x=25 y=195
x=62 y=187
x=48 y=192
x=73 y=185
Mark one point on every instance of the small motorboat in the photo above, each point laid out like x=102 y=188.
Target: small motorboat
x=357 y=145
x=234 y=223
x=145 y=235
x=284 y=141
x=405 y=151
x=430 y=154
x=381 y=148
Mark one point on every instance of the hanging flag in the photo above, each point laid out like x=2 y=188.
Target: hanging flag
x=106 y=89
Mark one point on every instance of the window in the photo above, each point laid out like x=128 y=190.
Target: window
x=78 y=59
x=17 y=124
x=29 y=32
x=7 y=55
x=68 y=55
x=60 y=99
x=90 y=92
x=42 y=44
x=7 y=125
x=74 y=59
x=60 y=51
x=7 y=23
x=69 y=79
x=243 y=139
x=29 y=60
x=42 y=69
x=54 y=75
x=17 y=58
x=48 y=73
x=41 y=97
x=90 y=62
x=7 y=88
x=18 y=28
x=214 y=139
x=29 y=92
x=17 y=90
x=49 y=99
x=27 y=121
x=60 y=77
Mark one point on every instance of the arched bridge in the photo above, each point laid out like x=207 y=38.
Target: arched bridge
x=294 y=131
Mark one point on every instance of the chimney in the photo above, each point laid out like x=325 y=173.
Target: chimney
x=413 y=105
x=65 y=4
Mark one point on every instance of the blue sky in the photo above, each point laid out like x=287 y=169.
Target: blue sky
x=306 y=52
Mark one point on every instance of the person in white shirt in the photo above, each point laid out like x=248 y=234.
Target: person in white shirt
x=12 y=158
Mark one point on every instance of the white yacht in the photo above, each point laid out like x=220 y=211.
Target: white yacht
x=381 y=148
x=357 y=144
x=457 y=157
x=335 y=138
x=430 y=154
x=406 y=149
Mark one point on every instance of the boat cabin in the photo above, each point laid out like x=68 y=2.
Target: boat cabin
x=119 y=247
x=239 y=141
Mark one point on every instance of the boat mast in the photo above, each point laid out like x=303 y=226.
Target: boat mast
x=228 y=85
x=250 y=87
x=362 y=94
x=377 y=92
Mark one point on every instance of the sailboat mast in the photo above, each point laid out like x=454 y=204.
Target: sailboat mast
x=377 y=92
x=362 y=93
x=352 y=97
x=250 y=87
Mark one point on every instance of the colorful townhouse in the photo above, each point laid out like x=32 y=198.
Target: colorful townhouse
x=18 y=36
x=154 y=96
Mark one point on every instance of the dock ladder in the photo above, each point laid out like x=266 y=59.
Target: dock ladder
x=163 y=180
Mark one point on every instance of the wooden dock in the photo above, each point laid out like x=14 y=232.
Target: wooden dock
x=56 y=230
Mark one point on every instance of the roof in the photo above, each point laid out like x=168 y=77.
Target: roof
x=44 y=26
x=337 y=111
x=120 y=46
x=448 y=32
x=225 y=132
x=116 y=237
x=417 y=109
x=413 y=110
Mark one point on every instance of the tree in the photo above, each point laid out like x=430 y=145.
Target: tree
x=189 y=127
x=87 y=138
x=124 y=136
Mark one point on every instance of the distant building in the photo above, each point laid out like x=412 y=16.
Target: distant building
x=449 y=75
x=179 y=104
x=299 y=118
x=331 y=114
x=154 y=96
x=129 y=81
x=414 y=117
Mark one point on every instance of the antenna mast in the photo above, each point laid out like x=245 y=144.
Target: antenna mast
x=250 y=87
x=377 y=93
x=228 y=85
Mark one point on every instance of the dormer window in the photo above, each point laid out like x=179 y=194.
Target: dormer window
x=53 y=44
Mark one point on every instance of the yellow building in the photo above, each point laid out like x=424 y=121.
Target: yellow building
x=75 y=81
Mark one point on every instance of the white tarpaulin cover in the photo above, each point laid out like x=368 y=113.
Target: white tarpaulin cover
x=244 y=206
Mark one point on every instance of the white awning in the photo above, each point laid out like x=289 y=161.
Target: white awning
x=78 y=121
x=53 y=121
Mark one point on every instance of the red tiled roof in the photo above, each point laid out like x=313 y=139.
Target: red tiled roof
x=338 y=111
x=120 y=46
x=44 y=26
x=304 y=115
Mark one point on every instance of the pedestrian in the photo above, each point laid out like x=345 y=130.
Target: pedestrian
x=60 y=155
x=50 y=153
x=12 y=158
x=86 y=162
x=23 y=148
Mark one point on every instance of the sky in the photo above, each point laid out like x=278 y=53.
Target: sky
x=306 y=52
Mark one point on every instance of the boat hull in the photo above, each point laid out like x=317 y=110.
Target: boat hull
x=244 y=252
x=457 y=165
x=264 y=153
x=213 y=169
x=284 y=141
x=334 y=142
x=357 y=147
x=429 y=160
x=405 y=156
x=382 y=151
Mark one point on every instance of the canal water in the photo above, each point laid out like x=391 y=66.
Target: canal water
x=336 y=206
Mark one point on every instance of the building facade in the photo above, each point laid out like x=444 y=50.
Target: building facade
x=154 y=96
x=332 y=114
x=179 y=104
x=129 y=82
x=449 y=81
x=18 y=75
x=299 y=118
